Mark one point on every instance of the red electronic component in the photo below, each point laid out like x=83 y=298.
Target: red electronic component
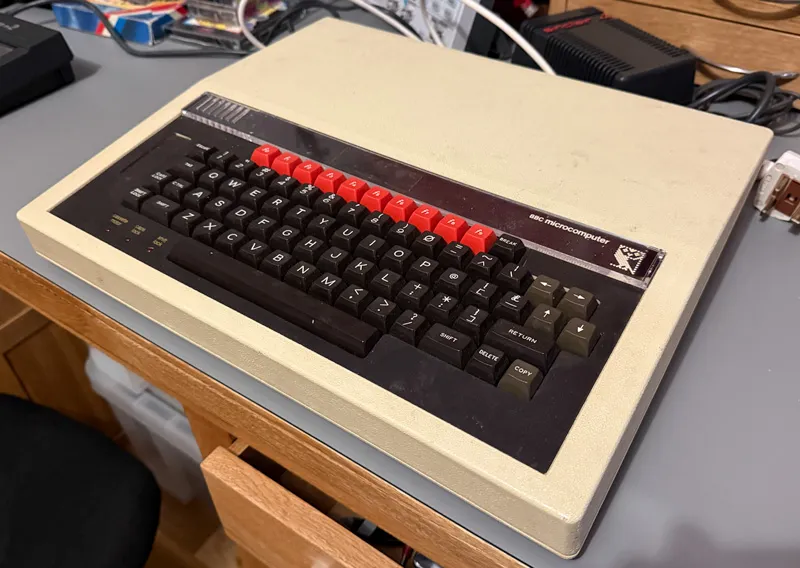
x=400 y=208
x=451 y=228
x=353 y=189
x=307 y=172
x=376 y=199
x=479 y=238
x=264 y=155
x=425 y=218
x=286 y=163
x=329 y=181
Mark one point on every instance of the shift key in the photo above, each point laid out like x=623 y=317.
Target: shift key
x=448 y=345
x=518 y=342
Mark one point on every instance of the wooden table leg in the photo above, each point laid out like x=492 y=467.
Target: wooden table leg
x=209 y=436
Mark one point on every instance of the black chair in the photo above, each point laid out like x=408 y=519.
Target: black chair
x=69 y=497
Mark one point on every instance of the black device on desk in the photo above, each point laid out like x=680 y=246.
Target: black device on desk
x=34 y=60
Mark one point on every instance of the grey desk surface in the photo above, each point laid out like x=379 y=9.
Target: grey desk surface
x=712 y=478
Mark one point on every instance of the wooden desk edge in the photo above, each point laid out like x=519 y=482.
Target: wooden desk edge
x=363 y=492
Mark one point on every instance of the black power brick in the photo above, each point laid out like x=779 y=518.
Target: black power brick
x=591 y=46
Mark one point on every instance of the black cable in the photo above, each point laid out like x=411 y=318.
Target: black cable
x=122 y=42
x=773 y=107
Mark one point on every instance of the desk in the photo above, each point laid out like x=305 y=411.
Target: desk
x=711 y=480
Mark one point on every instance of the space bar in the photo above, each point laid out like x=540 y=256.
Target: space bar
x=291 y=304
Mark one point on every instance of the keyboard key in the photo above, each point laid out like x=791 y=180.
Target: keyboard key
x=329 y=181
x=285 y=164
x=327 y=288
x=242 y=169
x=578 y=337
x=322 y=227
x=400 y=208
x=301 y=275
x=453 y=282
x=329 y=204
x=372 y=248
x=520 y=343
x=354 y=300
x=414 y=296
x=473 y=322
x=398 y=259
x=479 y=238
x=283 y=185
x=265 y=154
x=578 y=303
x=483 y=294
x=239 y=218
x=448 y=345
x=160 y=209
x=377 y=224
x=156 y=181
x=485 y=266
x=488 y=364
x=545 y=290
x=375 y=199
x=425 y=218
x=277 y=264
x=285 y=238
x=221 y=160
x=547 y=321
x=442 y=309
x=451 y=228
x=360 y=272
x=232 y=189
x=513 y=307
x=229 y=242
x=381 y=313
x=189 y=170
x=262 y=177
x=402 y=234
x=211 y=180
x=455 y=255
x=515 y=278
x=424 y=270
x=135 y=197
x=176 y=190
x=252 y=252
x=310 y=249
x=208 y=231
x=353 y=189
x=315 y=316
x=217 y=208
x=352 y=214
x=521 y=380
x=334 y=260
x=185 y=222
x=387 y=284
x=306 y=194
x=428 y=244
x=197 y=199
x=254 y=198
x=508 y=248
x=346 y=238
x=307 y=172
x=262 y=228
x=276 y=207
x=409 y=327
x=200 y=152
x=299 y=216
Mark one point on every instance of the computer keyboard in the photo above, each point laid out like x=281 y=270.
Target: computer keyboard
x=489 y=297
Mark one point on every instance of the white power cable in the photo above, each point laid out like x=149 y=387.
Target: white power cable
x=426 y=16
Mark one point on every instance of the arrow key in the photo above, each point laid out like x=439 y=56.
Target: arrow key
x=545 y=290
x=547 y=320
x=578 y=303
x=579 y=337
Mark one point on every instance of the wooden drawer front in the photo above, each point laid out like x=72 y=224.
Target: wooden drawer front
x=724 y=42
x=277 y=527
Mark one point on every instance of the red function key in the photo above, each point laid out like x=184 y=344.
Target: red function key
x=479 y=238
x=353 y=189
x=329 y=181
x=286 y=163
x=307 y=172
x=376 y=199
x=451 y=228
x=264 y=155
x=425 y=218
x=400 y=208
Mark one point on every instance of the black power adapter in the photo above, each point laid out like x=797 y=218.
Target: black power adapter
x=591 y=46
